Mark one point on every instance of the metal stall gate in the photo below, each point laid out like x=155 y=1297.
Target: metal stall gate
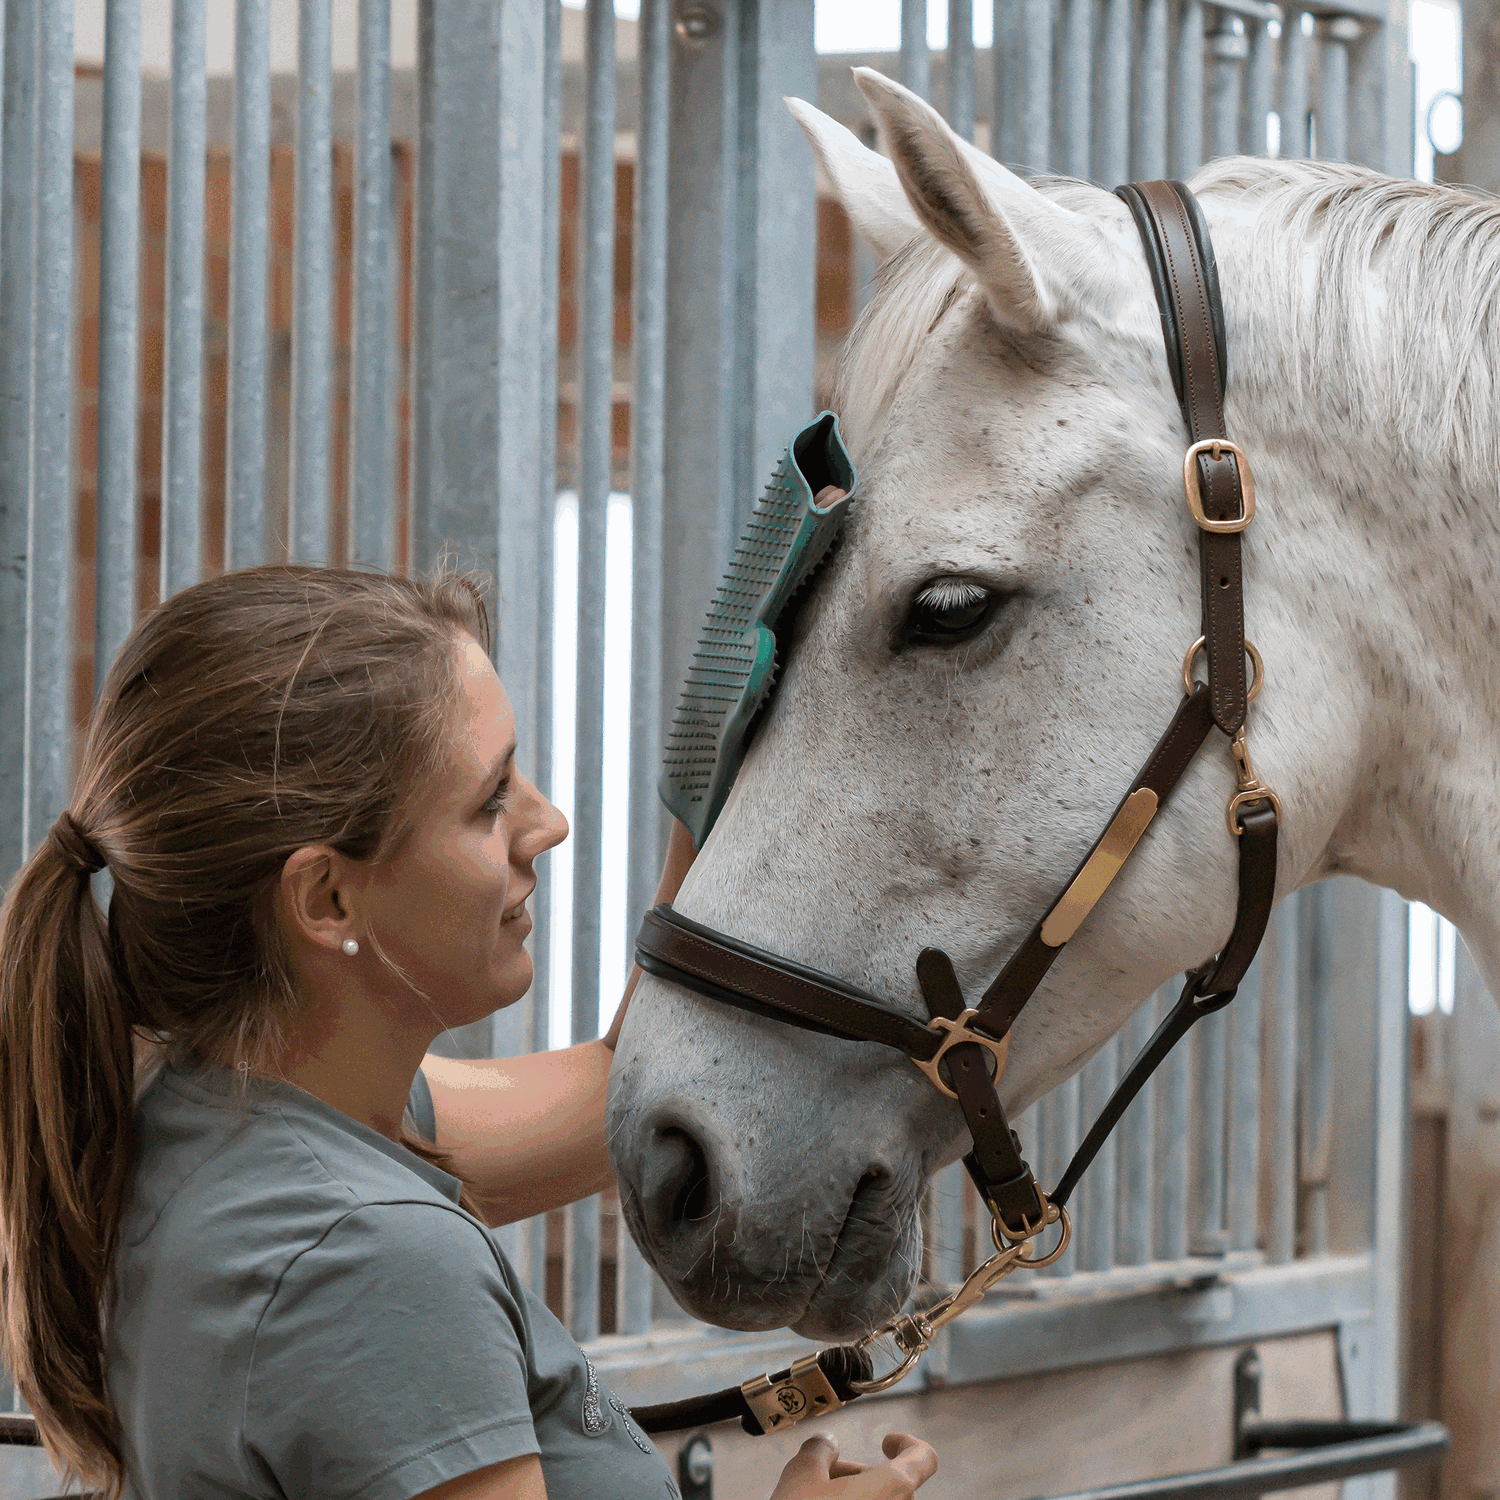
x=378 y=299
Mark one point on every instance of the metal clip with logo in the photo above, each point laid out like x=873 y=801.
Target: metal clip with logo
x=804 y=1391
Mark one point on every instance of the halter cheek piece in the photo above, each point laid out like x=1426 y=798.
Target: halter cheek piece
x=961 y=1050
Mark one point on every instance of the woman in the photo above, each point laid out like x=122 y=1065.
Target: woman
x=232 y=1265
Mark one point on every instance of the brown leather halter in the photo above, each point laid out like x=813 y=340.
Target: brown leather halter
x=955 y=1047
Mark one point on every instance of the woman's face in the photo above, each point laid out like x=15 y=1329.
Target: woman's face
x=450 y=908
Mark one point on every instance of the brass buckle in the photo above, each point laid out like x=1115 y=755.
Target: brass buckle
x=1252 y=789
x=958 y=1031
x=803 y=1391
x=1257 y=672
x=1218 y=447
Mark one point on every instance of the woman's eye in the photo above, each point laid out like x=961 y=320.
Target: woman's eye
x=495 y=802
x=947 y=612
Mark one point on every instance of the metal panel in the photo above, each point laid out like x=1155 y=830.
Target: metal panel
x=1187 y=95
x=1333 y=87
x=1097 y=1191
x=245 y=476
x=309 y=501
x=17 y=263
x=371 y=522
x=961 y=67
x=1112 y=118
x=1242 y=1163
x=595 y=261
x=916 y=61
x=1315 y=1105
x=1136 y=1153
x=182 y=379
x=456 y=333
x=1281 y=984
x=1230 y=47
x=1036 y=84
x=1172 y=1088
x=648 y=322
x=1259 y=80
x=1149 y=158
x=1078 y=98
x=1296 y=58
x=1059 y=1117
x=119 y=319
x=1005 y=99
x=49 y=581
x=1207 y=1043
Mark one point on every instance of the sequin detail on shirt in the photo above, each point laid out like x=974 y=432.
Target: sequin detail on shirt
x=635 y=1437
x=594 y=1420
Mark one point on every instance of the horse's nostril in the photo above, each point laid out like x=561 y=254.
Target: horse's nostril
x=676 y=1183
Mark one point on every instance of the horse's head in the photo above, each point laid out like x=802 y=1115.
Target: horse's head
x=976 y=678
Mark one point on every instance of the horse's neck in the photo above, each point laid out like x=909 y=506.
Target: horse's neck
x=1419 y=567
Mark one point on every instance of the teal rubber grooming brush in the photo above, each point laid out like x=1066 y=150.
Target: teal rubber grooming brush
x=734 y=666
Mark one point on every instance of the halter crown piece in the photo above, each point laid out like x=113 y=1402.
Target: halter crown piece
x=961 y=1048
x=77 y=848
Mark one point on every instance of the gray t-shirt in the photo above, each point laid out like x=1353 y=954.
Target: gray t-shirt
x=303 y=1310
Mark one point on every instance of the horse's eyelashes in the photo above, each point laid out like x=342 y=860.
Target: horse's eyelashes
x=947 y=612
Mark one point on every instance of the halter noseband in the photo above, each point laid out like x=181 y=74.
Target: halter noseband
x=955 y=1048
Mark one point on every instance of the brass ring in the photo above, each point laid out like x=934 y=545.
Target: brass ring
x=958 y=1031
x=1053 y=1215
x=1218 y=447
x=1239 y=800
x=1257 y=677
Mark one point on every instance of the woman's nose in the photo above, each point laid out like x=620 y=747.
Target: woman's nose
x=545 y=826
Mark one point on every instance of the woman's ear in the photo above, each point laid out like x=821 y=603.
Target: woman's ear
x=316 y=890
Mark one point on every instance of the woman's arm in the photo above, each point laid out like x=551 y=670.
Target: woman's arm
x=528 y=1132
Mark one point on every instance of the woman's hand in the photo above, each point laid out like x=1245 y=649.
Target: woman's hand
x=679 y=860
x=818 y=1471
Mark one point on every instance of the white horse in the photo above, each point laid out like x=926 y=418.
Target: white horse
x=1007 y=400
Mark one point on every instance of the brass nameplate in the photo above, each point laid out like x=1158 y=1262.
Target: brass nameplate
x=803 y=1391
x=1093 y=879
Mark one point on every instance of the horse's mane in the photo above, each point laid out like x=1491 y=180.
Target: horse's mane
x=1405 y=354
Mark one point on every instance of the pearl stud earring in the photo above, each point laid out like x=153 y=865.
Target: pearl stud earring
x=351 y=946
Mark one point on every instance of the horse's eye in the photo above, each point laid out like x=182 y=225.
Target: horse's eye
x=948 y=611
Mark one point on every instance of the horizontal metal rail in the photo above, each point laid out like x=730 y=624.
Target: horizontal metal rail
x=1379 y=1446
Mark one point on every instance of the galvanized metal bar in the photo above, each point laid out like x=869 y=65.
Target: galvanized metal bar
x=1006 y=94
x=1173 y=1087
x=775 y=219
x=634 y=1283
x=1187 y=96
x=1136 y=1170
x=182 y=379
x=1281 y=986
x=1260 y=73
x=456 y=313
x=372 y=498
x=1060 y=1115
x=648 y=689
x=946 y=1219
x=17 y=268
x=916 y=60
x=1315 y=1111
x=245 y=461
x=1230 y=47
x=1036 y=84
x=1112 y=117
x=1339 y=32
x=115 y=526
x=1097 y=1191
x=309 y=500
x=1392 y=1146
x=961 y=67
x=1367 y=96
x=1078 y=101
x=595 y=261
x=49 y=574
x=1296 y=58
x=1242 y=1185
x=1149 y=150
x=1207 y=1043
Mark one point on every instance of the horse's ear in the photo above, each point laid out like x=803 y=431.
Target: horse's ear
x=1017 y=242
x=866 y=183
